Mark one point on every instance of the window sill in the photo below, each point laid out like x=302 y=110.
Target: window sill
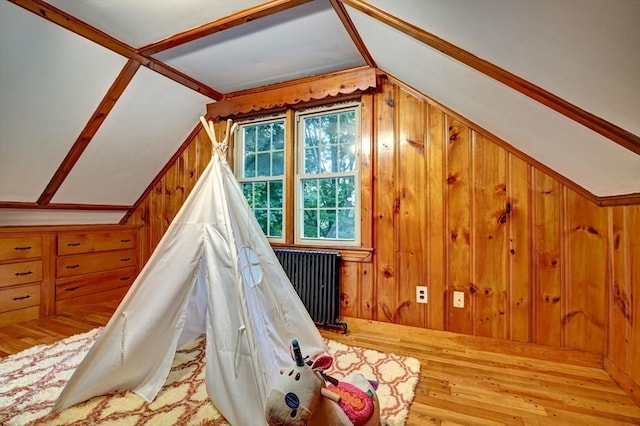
x=355 y=254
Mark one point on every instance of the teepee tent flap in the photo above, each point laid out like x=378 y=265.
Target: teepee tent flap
x=212 y=273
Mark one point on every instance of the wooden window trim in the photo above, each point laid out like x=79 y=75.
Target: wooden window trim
x=294 y=94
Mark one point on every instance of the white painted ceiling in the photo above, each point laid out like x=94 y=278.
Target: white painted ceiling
x=586 y=52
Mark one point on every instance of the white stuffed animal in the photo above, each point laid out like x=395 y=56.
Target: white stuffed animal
x=301 y=397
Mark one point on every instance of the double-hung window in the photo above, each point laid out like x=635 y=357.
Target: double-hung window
x=327 y=176
x=324 y=175
x=261 y=172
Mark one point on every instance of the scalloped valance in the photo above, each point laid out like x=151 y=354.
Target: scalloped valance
x=295 y=92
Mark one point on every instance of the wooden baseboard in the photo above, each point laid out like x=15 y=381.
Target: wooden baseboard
x=626 y=383
x=405 y=333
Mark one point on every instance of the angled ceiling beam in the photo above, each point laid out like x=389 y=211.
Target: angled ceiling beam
x=90 y=129
x=222 y=24
x=338 y=7
x=85 y=30
x=61 y=206
x=609 y=130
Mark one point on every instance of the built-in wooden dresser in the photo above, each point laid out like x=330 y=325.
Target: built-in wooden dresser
x=95 y=265
x=21 y=275
x=44 y=270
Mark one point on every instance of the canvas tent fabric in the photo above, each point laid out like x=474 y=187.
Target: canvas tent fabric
x=212 y=273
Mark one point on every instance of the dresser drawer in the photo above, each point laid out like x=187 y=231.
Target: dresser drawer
x=94 y=283
x=16 y=247
x=20 y=273
x=91 y=242
x=80 y=264
x=13 y=298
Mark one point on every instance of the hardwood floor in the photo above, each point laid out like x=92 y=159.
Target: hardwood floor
x=458 y=384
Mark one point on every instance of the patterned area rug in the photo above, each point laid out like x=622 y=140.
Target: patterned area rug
x=31 y=380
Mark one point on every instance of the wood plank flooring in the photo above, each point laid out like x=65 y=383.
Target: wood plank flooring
x=458 y=385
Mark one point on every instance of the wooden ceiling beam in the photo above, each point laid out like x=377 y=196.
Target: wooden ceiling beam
x=221 y=24
x=90 y=129
x=61 y=206
x=89 y=32
x=338 y=7
x=609 y=130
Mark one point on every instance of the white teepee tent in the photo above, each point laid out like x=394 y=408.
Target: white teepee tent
x=212 y=273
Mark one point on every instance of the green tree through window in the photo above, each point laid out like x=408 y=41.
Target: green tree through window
x=262 y=173
x=327 y=183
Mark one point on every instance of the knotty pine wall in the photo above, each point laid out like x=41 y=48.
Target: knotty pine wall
x=453 y=208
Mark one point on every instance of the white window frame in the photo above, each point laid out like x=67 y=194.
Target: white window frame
x=239 y=165
x=300 y=176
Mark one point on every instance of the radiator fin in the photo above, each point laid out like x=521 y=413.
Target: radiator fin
x=315 y=275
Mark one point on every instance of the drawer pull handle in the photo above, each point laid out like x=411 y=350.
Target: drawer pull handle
x=72 y=288
x=73 y=244
x=125 y=259
x=18 y=274
x=125 y=278
x=72 y=266
x=22 y=297
x=125 y=241
x=23 y=248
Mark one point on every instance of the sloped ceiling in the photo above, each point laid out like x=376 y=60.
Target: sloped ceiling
x=97 y=95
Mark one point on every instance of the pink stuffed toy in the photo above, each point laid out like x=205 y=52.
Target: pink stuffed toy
x=301 y=396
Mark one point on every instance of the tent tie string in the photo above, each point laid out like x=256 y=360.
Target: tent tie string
x=241 y=330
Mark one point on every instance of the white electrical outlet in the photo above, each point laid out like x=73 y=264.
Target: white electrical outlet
x=458 y=299
x=422 y=294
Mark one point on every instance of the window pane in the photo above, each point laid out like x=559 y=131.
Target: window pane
x=264 y=137
x=250 y=165
x=277 y=166
x=327 y=192
x=310 y=225
x=347 y=192
x=247 y=190
x=329 y=129
x=311 y=161
x=275 y=194
x=312 y=132
x=275 y=223
x=329 y=162
x=347 y=157
x=327 y=223
x=278 y=136
x=347 y=224
x=347 y=127
x=249 y=138
x=264 y=164
x=310 y=193
x=261 y=217
x=260 y=195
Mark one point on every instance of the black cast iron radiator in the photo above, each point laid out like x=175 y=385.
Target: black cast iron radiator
x=315 y=275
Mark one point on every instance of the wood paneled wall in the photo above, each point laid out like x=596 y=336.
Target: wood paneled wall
x=454 y=208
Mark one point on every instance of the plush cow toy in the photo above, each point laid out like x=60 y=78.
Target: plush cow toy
x=301 y=397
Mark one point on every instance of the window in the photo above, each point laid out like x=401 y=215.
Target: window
x=261 y=173
x=325 y=202
x=327 y=176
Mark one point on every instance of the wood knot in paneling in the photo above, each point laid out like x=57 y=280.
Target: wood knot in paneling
x=390 y=101
x=622 y=302
x=550 y=299
x=589 y=229
x=387 y=272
